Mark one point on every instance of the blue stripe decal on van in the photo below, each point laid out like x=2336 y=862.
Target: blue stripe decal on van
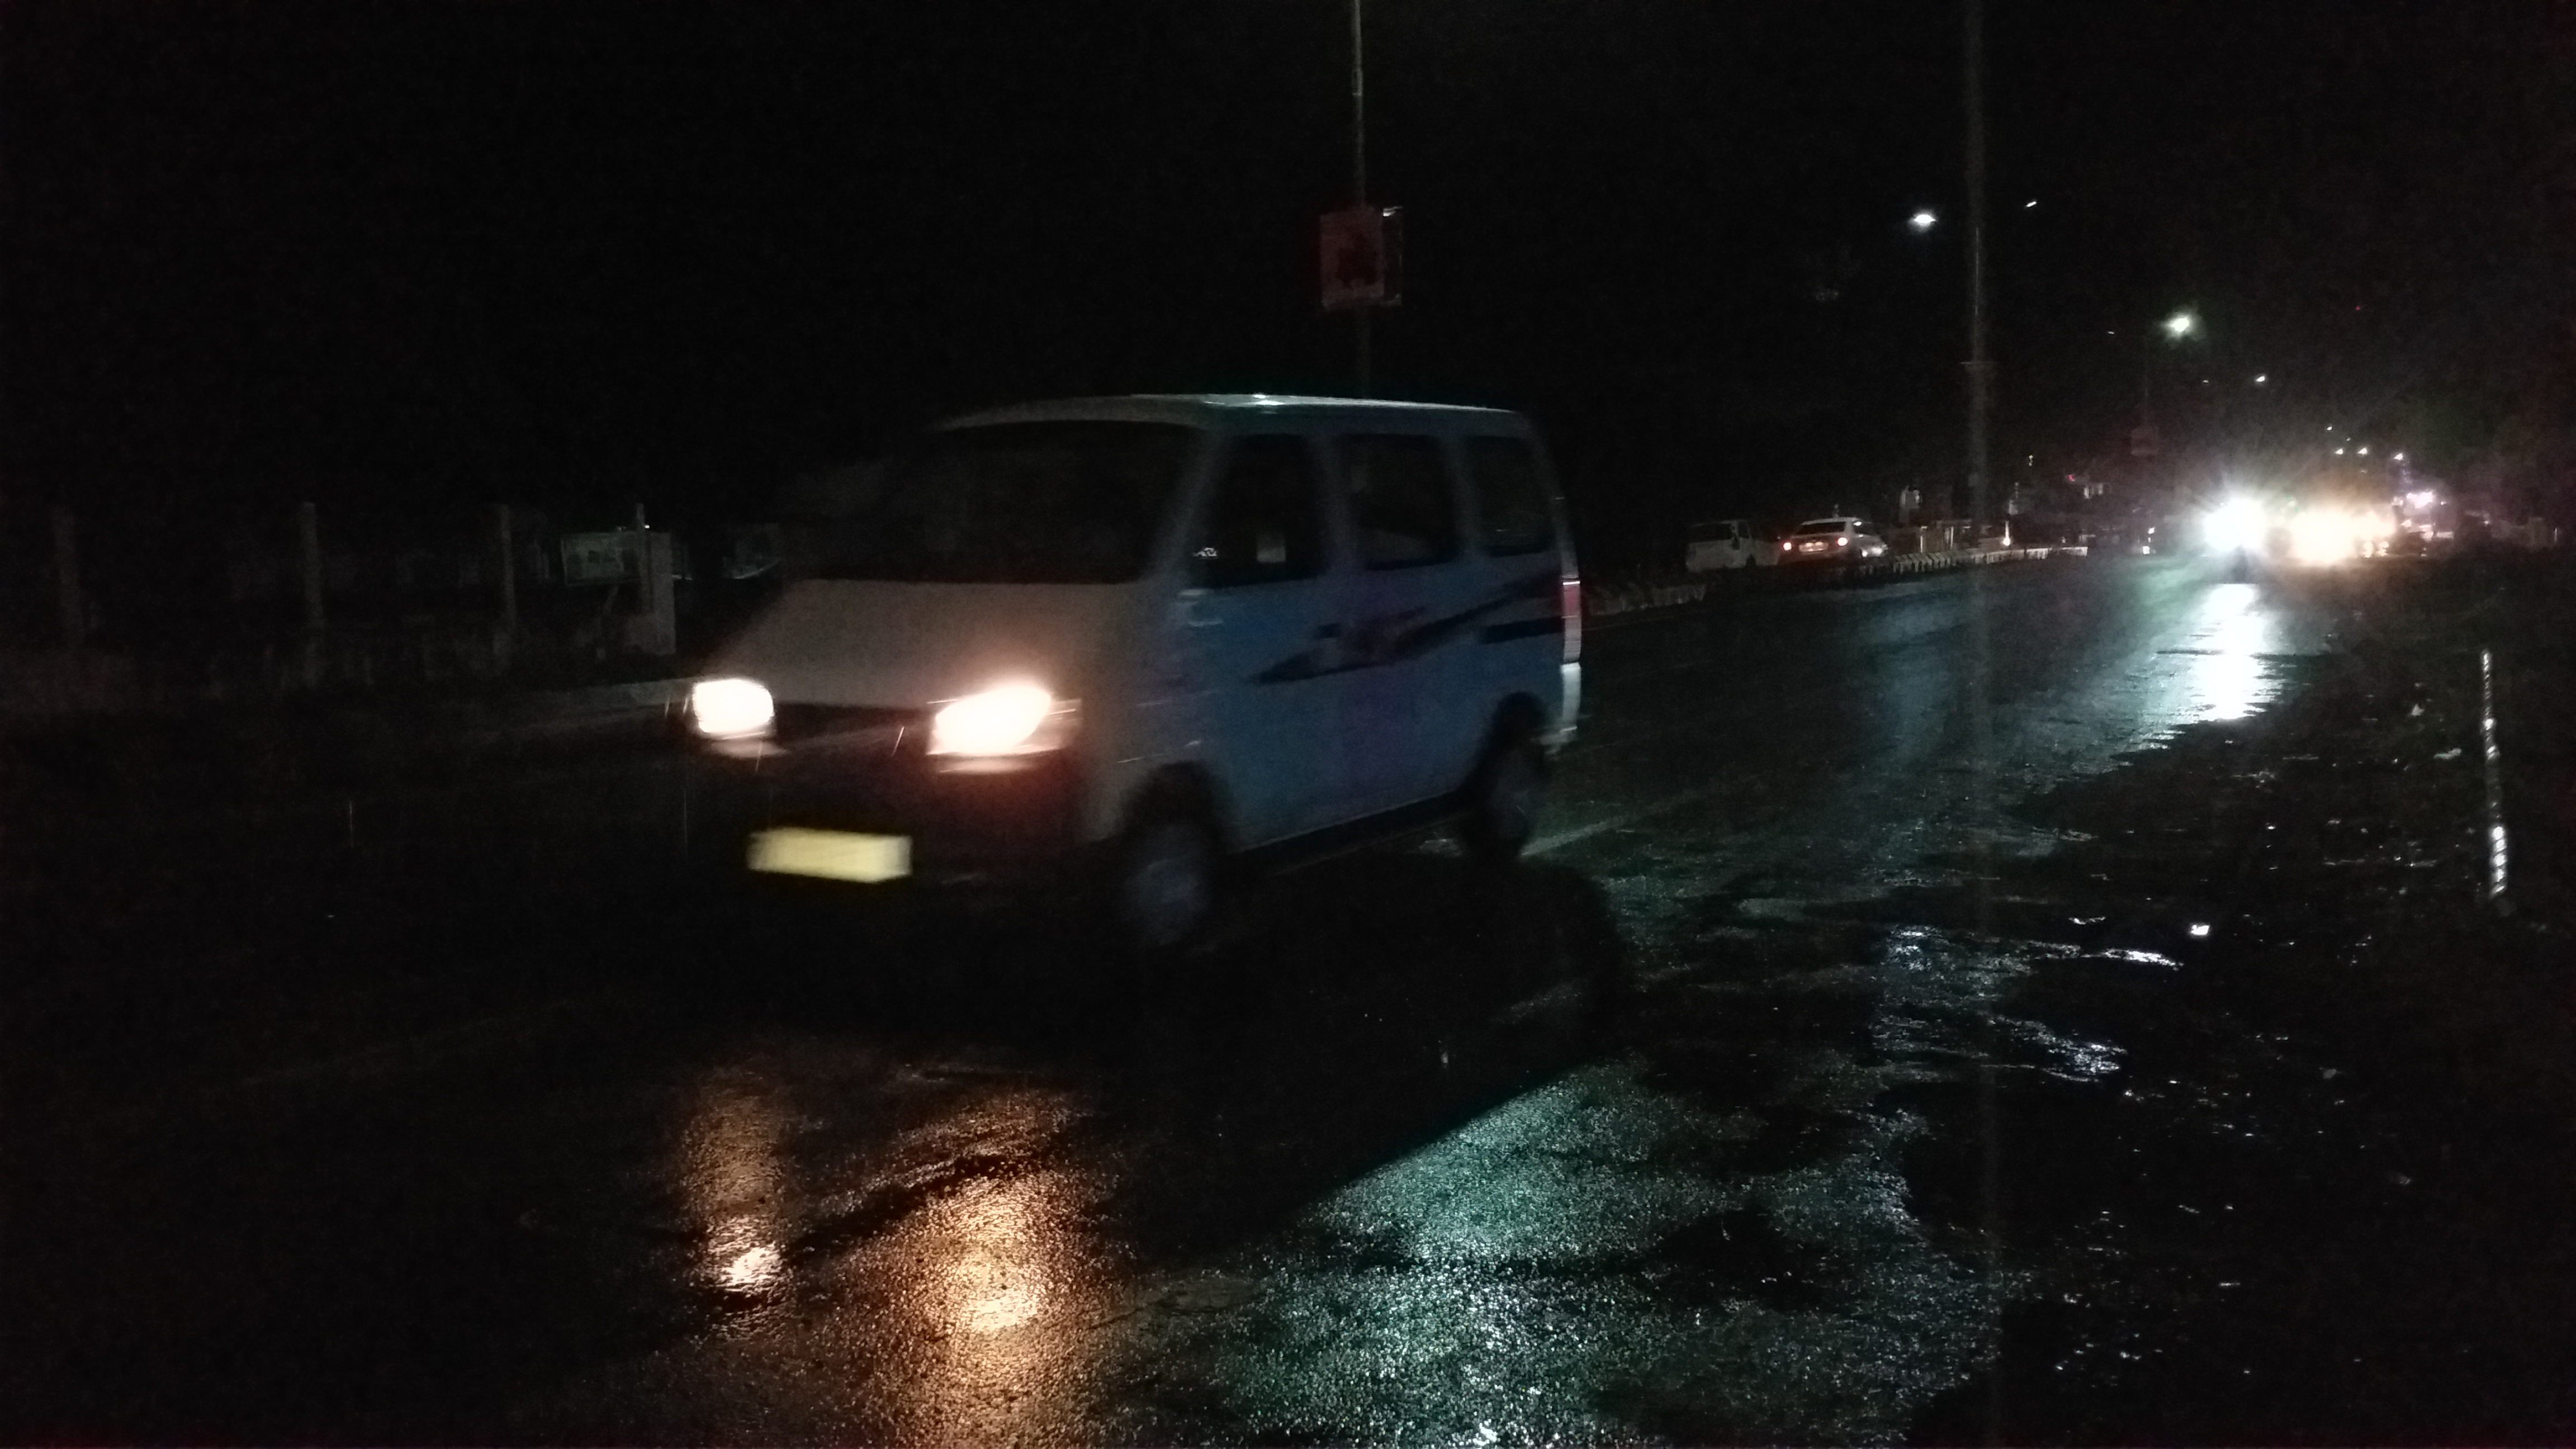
x=1392 y=639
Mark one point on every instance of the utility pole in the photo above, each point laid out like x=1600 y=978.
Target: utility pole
x=308 y=548
x=1981 y=368
x=1359 y=171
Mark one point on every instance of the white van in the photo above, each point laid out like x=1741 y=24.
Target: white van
x=1726 y=543
x=1141 y=637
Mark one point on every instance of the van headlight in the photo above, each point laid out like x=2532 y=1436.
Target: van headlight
x=731 y=709
x=1008 y=719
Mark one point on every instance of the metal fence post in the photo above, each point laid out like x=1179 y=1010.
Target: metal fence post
x=67 y=581
x=660 y=612
x=506 y=639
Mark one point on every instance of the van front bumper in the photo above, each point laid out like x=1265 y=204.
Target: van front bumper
x=1011 y=820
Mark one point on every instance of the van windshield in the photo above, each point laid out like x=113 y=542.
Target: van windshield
x=1016 y=503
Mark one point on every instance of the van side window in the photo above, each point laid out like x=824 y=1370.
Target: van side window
x=1265 y=522
x=1402 y=509
x=1511 y=503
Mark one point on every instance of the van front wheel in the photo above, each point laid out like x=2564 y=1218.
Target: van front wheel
x=1163 y=882
x=1503 y=797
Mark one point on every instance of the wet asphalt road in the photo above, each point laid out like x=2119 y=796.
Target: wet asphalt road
x=442 y=1110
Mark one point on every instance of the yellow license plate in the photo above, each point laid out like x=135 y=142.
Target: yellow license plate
x=832 y=855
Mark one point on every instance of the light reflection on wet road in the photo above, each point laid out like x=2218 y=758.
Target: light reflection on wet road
x=2229 y=675
x=1616 y=1150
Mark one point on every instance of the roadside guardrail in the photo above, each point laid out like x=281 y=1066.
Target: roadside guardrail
x=1608 y=600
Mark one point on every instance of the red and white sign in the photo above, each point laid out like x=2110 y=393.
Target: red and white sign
x=1361 y=249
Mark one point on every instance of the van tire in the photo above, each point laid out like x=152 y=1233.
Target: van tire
x=1163 y=878
x=1500 y=805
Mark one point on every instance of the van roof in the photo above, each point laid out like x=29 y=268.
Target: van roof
x=1204 y=408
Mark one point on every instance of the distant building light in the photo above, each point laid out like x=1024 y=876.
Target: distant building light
x=2261 y=378
x=2027 y=205
x=2400 y=457
x=2338 y=452
x=1922 y=221
x=2365 y=450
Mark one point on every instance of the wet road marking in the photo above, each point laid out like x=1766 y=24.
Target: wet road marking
x=2496 y=845
x=1619 y=820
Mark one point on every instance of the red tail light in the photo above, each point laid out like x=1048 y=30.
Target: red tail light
x=1569 y=610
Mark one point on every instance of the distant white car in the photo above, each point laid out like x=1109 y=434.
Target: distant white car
x=1727 y=543
x=1831 y=540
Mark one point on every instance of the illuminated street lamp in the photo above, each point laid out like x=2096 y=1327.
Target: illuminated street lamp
x=1922 y=221
x=2181 y=325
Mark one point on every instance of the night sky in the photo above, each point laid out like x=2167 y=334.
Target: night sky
x=394 y=255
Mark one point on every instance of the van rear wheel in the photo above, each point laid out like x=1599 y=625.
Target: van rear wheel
x=1503 y=796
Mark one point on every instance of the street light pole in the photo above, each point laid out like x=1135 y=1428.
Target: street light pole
x=1359 y=171
x=1980 y=366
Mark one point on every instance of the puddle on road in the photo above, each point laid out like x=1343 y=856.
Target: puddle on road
x=936 y=1277
x=1709 y=1237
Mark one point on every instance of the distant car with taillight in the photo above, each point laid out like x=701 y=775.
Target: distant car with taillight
x=1838 y=539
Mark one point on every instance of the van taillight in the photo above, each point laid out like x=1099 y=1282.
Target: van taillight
x=1569 y=609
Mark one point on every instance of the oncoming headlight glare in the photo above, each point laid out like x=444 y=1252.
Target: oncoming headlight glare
x=2324 y=536
x=2235 y=524
x=1008 y=719
x=730 y=709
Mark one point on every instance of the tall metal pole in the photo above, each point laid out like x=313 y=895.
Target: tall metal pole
x=1980 y=366
x=68 y=600
x=308 y=541
x=505 y=632
x=1359 y=170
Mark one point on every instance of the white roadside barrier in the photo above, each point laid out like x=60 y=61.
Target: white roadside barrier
x=1612 y=598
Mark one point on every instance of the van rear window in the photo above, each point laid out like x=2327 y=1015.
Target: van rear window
x=1402 y=511
x=1017 y=503
x=1511 y=501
